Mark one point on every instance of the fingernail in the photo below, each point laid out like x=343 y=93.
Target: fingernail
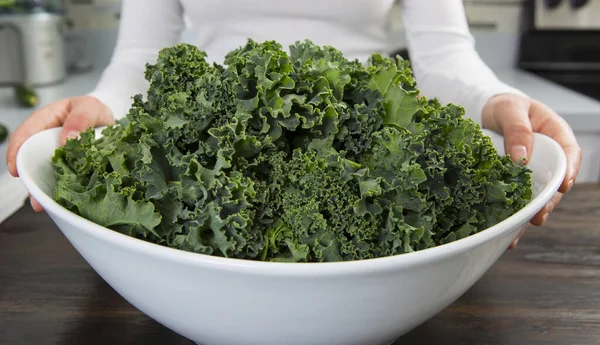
x=570 y=185
x=72 y=135
x=517 y=152
x=545 y=218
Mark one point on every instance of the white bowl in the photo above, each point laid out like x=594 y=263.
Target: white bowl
x=220 y=301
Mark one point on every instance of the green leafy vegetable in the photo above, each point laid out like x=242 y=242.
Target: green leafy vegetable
x=303 y=156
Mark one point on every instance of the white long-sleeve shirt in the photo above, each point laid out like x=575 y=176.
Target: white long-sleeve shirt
x=442 y=54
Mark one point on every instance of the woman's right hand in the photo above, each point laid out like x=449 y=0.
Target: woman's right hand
x=74 y=114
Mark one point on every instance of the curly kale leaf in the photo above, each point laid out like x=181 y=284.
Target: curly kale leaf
x=303 y=156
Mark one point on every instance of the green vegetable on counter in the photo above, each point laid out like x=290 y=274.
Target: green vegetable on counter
x=303 y=156
x=3 y=133
x=26 y=95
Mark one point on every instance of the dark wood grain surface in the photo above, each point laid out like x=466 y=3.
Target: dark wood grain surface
x=546 y=291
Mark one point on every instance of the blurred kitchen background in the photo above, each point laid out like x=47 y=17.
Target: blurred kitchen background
x=550 y=49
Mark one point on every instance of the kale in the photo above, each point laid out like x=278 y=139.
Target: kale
x=303 y=156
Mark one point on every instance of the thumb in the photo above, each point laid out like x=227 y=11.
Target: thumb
x=85 y=112
x=510 y=116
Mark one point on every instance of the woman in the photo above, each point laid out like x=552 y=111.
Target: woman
x=443 y=59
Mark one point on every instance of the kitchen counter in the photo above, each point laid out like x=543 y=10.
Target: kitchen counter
x=544 y=292
x=582 y=113
x=11 y=115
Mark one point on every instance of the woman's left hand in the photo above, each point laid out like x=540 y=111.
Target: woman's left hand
x=517 y=118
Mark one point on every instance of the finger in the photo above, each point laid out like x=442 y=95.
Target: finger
x=542 y=216
x=547 y=122
x=49 y=116
x=574 y=156
x=516 y=240
x=510 y=116
x=35 y=205
x=86 y=113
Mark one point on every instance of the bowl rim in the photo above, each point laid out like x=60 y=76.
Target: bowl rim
x=245 y=266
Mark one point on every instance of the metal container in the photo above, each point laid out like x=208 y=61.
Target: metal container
x=32 y=44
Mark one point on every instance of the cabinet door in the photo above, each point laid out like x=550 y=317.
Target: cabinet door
x=483 y=15
x=502 y=16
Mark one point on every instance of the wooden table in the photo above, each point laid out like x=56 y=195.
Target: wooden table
x=546 y=291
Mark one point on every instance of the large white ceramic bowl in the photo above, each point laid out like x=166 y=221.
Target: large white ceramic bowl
x=219 y=301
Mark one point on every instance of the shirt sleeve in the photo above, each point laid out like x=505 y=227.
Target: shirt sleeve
x=146 y=27
x=443 y=56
